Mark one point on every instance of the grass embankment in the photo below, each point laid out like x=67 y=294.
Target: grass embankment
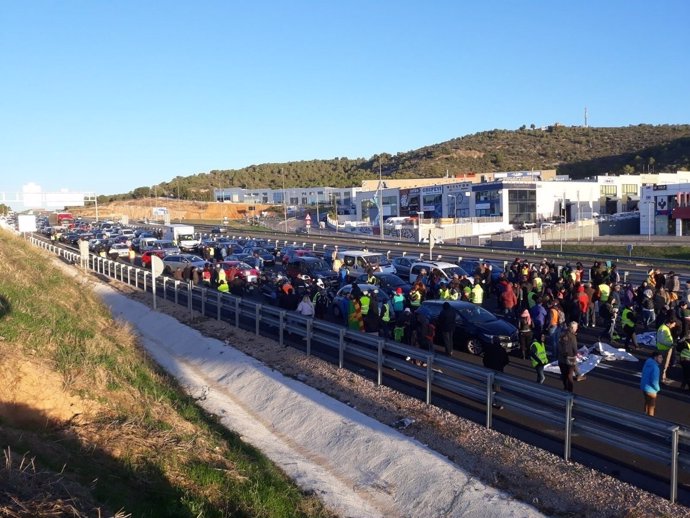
x=666 y=252
x=105 y=428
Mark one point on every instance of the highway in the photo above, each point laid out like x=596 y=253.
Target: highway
x=615 y=383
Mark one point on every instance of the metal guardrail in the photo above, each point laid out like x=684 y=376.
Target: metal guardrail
x=663 y=442
x=493 y=248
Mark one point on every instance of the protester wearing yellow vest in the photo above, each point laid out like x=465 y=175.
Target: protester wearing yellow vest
x=365 y=300
x=664 y=344
x=415 y=298
x=604 y=292
x=477 y=294
x=537 y=353
x=628 y=319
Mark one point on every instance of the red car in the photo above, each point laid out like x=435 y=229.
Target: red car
x=295 y=253
x=146 y=257
x=233 y=268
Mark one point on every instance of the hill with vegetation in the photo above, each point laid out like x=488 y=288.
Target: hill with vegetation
x=90 y=426
x=577 y=151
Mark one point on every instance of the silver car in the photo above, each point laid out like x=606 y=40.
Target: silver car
x=174 y=261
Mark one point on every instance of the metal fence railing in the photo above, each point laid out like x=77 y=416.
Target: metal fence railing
x=663 y=442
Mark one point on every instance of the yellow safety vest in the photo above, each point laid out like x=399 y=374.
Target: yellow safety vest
x=477 y=294
x=415 y=298
x=664 y=338
x=625 y=318
x=540 y=349
x=605 y=291
x=364 y=300
x=386 y=310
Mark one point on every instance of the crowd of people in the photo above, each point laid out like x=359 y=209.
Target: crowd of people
x=548 y=305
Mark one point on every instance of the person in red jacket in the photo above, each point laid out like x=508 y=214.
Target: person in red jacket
x=583 y=306
x=508 y=299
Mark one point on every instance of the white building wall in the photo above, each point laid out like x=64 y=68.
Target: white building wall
x=655 y=208
x=583 y=196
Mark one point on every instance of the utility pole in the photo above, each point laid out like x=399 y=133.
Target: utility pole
x=317 y=209
x=284 y=200
x=380 y=196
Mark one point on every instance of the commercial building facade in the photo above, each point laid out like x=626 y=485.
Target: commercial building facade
x=665 y=209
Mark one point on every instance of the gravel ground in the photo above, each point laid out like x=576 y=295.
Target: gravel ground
x=554 y=486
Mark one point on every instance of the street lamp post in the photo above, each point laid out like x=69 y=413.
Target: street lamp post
x=563 y=220
x=317 y=210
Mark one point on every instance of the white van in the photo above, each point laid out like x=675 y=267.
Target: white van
x=447 y=270
x=359 y=261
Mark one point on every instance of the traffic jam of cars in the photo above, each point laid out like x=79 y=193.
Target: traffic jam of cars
x=399 y=298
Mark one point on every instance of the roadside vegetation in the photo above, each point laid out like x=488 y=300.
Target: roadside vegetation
x=90 y=426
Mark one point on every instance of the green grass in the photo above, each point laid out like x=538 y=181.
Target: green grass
x=154 y=451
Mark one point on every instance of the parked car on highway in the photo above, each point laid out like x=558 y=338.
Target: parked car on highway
x=118 y=250
x=388 y=282
x=146 y=257
x=447 y=270
x=240 y=268
x=474 y=326
x=402 y=266
x=296 y=252
x=359 y=261
x=174 y=261
x=244 y=258
x=470 y=266
x=344 y=292
x=268 y=257
x=168 y=247
x=146 y=243
x=311 y=269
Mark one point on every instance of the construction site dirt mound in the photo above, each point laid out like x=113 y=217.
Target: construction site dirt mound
x=151 y=209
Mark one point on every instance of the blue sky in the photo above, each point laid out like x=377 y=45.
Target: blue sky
x=110 y=96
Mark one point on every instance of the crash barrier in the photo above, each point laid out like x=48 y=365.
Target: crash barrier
x=449 y=249
x=663 y=442
x=446 y=248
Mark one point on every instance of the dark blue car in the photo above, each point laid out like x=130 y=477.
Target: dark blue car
x=474 y=326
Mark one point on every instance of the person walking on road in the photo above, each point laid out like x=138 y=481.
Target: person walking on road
x=664 y=344
x=537 y=353
x=649 y=382
x=305 y=307
x=446 y=326
x=567 y=356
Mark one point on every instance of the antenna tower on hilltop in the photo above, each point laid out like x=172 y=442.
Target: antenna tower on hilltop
x=585 y=116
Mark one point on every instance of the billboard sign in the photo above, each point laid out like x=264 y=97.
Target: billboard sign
x=26 y=223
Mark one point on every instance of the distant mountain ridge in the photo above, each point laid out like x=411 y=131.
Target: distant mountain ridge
x=573 y=150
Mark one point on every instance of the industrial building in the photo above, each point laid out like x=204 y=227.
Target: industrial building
x=665 y=207
x=500 y=200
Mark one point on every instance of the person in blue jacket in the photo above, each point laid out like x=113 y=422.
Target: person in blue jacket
x=649 y=383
